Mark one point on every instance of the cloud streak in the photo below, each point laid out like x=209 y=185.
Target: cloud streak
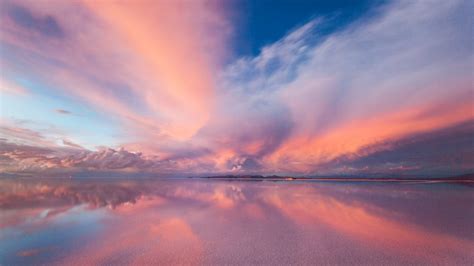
x=62 y=111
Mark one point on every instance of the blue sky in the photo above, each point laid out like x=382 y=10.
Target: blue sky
x=264 y=22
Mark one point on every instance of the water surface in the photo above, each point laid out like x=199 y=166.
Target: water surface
x=172 y=222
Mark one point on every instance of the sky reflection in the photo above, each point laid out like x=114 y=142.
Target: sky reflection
x=216 y=222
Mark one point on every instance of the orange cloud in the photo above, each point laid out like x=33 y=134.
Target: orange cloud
x=174 y=40
x=305 y=151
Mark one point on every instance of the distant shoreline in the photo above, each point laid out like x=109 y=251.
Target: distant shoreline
x=455 y=179
x=464 y=179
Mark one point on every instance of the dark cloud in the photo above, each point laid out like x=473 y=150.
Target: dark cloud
x=63 y=112
x=45 y=25
x=245 y=164
x=251 y=130
x=448 y=151
x=72 y=144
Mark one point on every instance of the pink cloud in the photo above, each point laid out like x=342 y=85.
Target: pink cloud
x=306 y=100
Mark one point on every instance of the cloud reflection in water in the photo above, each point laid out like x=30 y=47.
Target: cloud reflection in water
x=216 y=222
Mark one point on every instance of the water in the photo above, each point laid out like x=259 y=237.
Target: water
x=176 y=222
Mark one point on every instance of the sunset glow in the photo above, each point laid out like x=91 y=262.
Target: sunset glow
x=165 y=88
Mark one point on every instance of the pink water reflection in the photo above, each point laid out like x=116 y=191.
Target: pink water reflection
x=213 y=222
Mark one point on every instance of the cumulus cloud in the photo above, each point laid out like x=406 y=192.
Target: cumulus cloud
x=32 y=159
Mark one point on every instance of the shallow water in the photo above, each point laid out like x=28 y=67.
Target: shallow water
x=207 y=222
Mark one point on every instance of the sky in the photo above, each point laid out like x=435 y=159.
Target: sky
x=195 y=88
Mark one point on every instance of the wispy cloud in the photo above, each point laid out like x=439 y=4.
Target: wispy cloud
x=303 y=103
x=384 y=78
x=63 y=112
